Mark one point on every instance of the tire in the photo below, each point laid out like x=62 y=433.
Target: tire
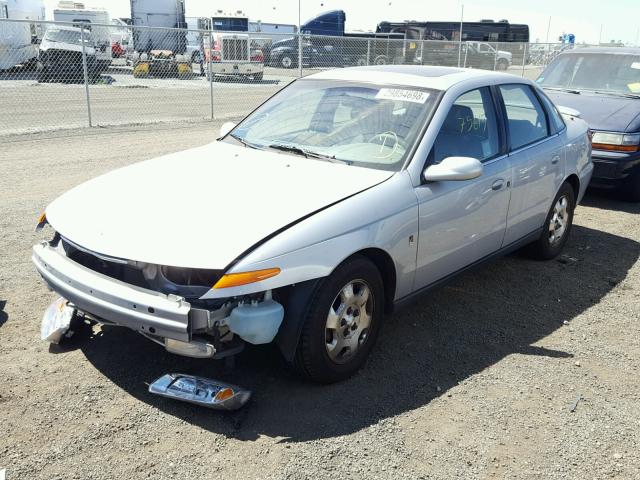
x=327 y=355
x=551 y=243
x=43 y=76
x=631 y=187
x=381 y=60
x=502 y=64
x=286 y=61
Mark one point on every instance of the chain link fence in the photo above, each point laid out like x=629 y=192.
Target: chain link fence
x=78 y=75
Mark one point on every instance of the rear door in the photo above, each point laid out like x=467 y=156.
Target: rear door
x=536 y=151
x=463 y=221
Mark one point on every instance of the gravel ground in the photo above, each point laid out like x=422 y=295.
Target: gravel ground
x=476 y=380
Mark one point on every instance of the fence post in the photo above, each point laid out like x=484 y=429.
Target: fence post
x=86 y=75
x=209 y=49
x=524 y=58
x=368 y=51
x=299 y=53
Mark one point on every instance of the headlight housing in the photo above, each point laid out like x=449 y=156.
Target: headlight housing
x=616 y=142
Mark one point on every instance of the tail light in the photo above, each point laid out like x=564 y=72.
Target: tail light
x=257 y=56
x=215 y=56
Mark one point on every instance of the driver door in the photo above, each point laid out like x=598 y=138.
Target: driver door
x=461 y=222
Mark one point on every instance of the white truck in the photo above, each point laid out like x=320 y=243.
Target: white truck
x=232 y=52
x=96 y=20
x=18 y=40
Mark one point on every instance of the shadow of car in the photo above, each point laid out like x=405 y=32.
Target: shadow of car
x=427 y=348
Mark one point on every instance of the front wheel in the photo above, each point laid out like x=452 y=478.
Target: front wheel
x=341 y=323
x=286 y=61
x=557 y=225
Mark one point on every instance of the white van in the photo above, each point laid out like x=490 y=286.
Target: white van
x=77 y=14
x=18 y=41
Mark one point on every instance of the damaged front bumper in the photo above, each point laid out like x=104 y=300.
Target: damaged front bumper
x=167 y=319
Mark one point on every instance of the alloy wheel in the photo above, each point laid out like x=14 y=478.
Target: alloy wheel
x=559 y=220
x=348 y=321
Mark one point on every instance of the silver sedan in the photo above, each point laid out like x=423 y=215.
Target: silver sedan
x=345 y=195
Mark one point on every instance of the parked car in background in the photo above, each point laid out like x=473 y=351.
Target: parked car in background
x=346 y=194
x=96 y=20
x=603 y=84
x=60 y=55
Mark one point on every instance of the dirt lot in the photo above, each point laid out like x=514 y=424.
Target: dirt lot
x=474 y=381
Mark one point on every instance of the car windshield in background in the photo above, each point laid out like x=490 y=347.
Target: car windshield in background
x=66 y=36
x=359 y=124
x=601 y=72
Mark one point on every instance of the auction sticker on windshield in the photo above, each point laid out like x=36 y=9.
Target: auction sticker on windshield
x=415 y=96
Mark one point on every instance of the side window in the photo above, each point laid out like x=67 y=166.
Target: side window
x=525 y=116
x=470 y=129
x=555 y=119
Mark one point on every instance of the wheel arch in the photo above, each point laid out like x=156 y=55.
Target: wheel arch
x=385 y=265
x=574 y=181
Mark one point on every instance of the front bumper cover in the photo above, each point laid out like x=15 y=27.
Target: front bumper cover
x=611 y=167
x=114 y=301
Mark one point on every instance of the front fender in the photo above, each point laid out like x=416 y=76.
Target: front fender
x=384 y=217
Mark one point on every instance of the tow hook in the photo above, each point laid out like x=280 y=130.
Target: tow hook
x=200 y=391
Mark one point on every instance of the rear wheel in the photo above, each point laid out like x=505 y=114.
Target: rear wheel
x=557 y=225
x=286 y=61
x=341 y=323
x=502 y=64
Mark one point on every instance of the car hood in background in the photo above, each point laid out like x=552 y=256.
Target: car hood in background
x=601 y=112
x=46 y=45
x=201 y=208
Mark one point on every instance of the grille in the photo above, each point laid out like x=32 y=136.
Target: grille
x=235 y=49
x=64 y=57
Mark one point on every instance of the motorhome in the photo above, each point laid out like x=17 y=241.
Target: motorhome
x=95 y=20
x=19 y=40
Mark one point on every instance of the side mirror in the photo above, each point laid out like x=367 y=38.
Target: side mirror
x=226 y=128
x=453 y=168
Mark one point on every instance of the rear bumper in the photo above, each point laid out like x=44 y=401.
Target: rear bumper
x=237 y=68
x=113 y=301
x=612 y=167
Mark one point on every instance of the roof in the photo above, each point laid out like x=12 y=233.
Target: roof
x=607 y=50
x=438 y=78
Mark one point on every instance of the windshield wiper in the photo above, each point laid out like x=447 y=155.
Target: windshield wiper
x=243 y=141
x=619 y=94
x=306 y=153
x=561 y=89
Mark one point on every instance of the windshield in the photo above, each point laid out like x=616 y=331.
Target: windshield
x=354 y=123
x=66 y=36
x=602 y=72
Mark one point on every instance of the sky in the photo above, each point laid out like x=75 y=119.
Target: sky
x=588 y=20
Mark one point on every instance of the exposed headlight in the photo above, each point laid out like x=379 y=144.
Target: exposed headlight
x=616 y=142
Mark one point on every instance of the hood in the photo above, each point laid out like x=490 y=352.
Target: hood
x=601 y=112
x=201 y=208
x=70 y=47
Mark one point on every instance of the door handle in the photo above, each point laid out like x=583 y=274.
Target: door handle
x=497 y=185
x=555 y=160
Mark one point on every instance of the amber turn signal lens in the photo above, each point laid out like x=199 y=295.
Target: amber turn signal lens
x=615 y=148
x=244 y=278
x=224 y=394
